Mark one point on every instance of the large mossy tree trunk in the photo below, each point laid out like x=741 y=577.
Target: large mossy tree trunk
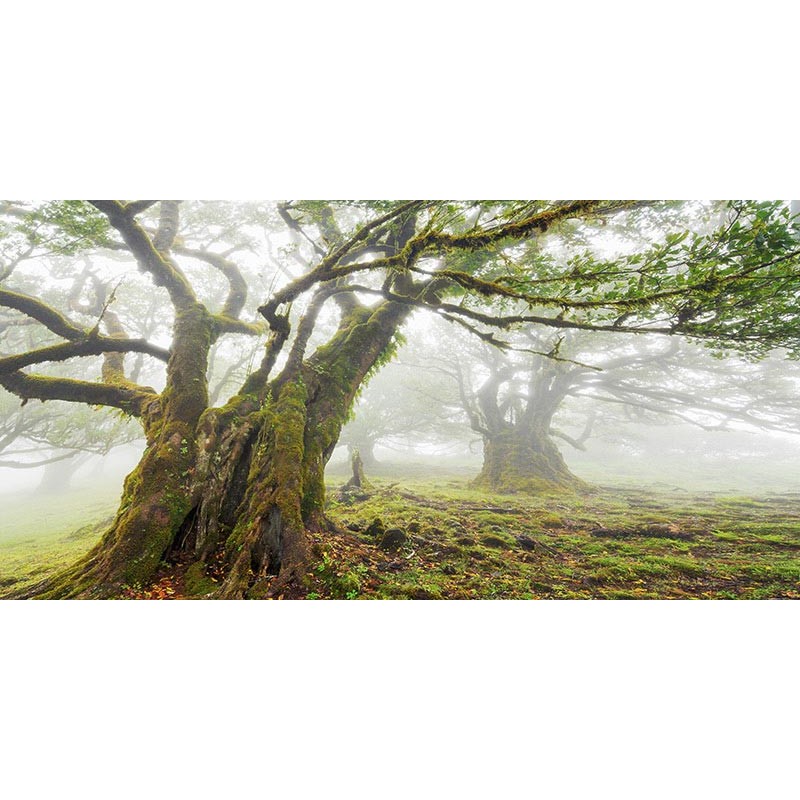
x=270 y=491
x=241 y=486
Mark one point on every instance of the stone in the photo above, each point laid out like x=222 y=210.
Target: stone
x=525 y=542
x=393 y=539
x=375 y=529
x=493 y=541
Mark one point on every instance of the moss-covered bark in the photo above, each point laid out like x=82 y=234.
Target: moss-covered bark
x=161 y=492
x=268 y=538
x=525 y=461
x=284 y=447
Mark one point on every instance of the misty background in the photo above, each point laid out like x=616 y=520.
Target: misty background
x=410 y=419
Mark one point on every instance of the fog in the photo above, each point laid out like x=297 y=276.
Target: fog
x=92 y=470
x=742 y=439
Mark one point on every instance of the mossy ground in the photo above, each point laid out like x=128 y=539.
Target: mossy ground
x=612 y=543
x=463 y=543
x=40 y=535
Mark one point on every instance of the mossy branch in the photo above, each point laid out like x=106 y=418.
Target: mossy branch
x=90 y=345
x=428 y=242
x=149 y=258
x=47 y=315
x=39 y=387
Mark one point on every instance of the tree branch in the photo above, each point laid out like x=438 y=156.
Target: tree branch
x=88 y=346
x=41 y=312
x=237 y=292
x=42 y=463
x=38 y=387
x=138 y=206
x=149 y=258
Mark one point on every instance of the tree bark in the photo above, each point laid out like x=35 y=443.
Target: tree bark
x=527 y=461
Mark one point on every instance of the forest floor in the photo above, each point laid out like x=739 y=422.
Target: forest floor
x=440 y=539
x=615 y=543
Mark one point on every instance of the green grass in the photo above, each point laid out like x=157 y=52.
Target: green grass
x=40 y=534
x=613 y=543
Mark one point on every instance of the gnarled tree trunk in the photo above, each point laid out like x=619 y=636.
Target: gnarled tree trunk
x=519 y=454
x=159 y=494
x=287 y=444
x=524 y=461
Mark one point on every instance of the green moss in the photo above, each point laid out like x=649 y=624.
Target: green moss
x=289 y=450
x=275 y=480
x=339 y=583
x=260 y=590
x=525 y=462
x=197 y=583
x=752 y=562
x=412 y=591
x=551 y=521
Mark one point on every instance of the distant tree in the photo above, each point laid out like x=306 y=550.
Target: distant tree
x=408 y=406
x=514 y=397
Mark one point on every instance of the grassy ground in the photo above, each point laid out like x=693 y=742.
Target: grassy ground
x=431 y=538
x=42 y=534
x=613 y=543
